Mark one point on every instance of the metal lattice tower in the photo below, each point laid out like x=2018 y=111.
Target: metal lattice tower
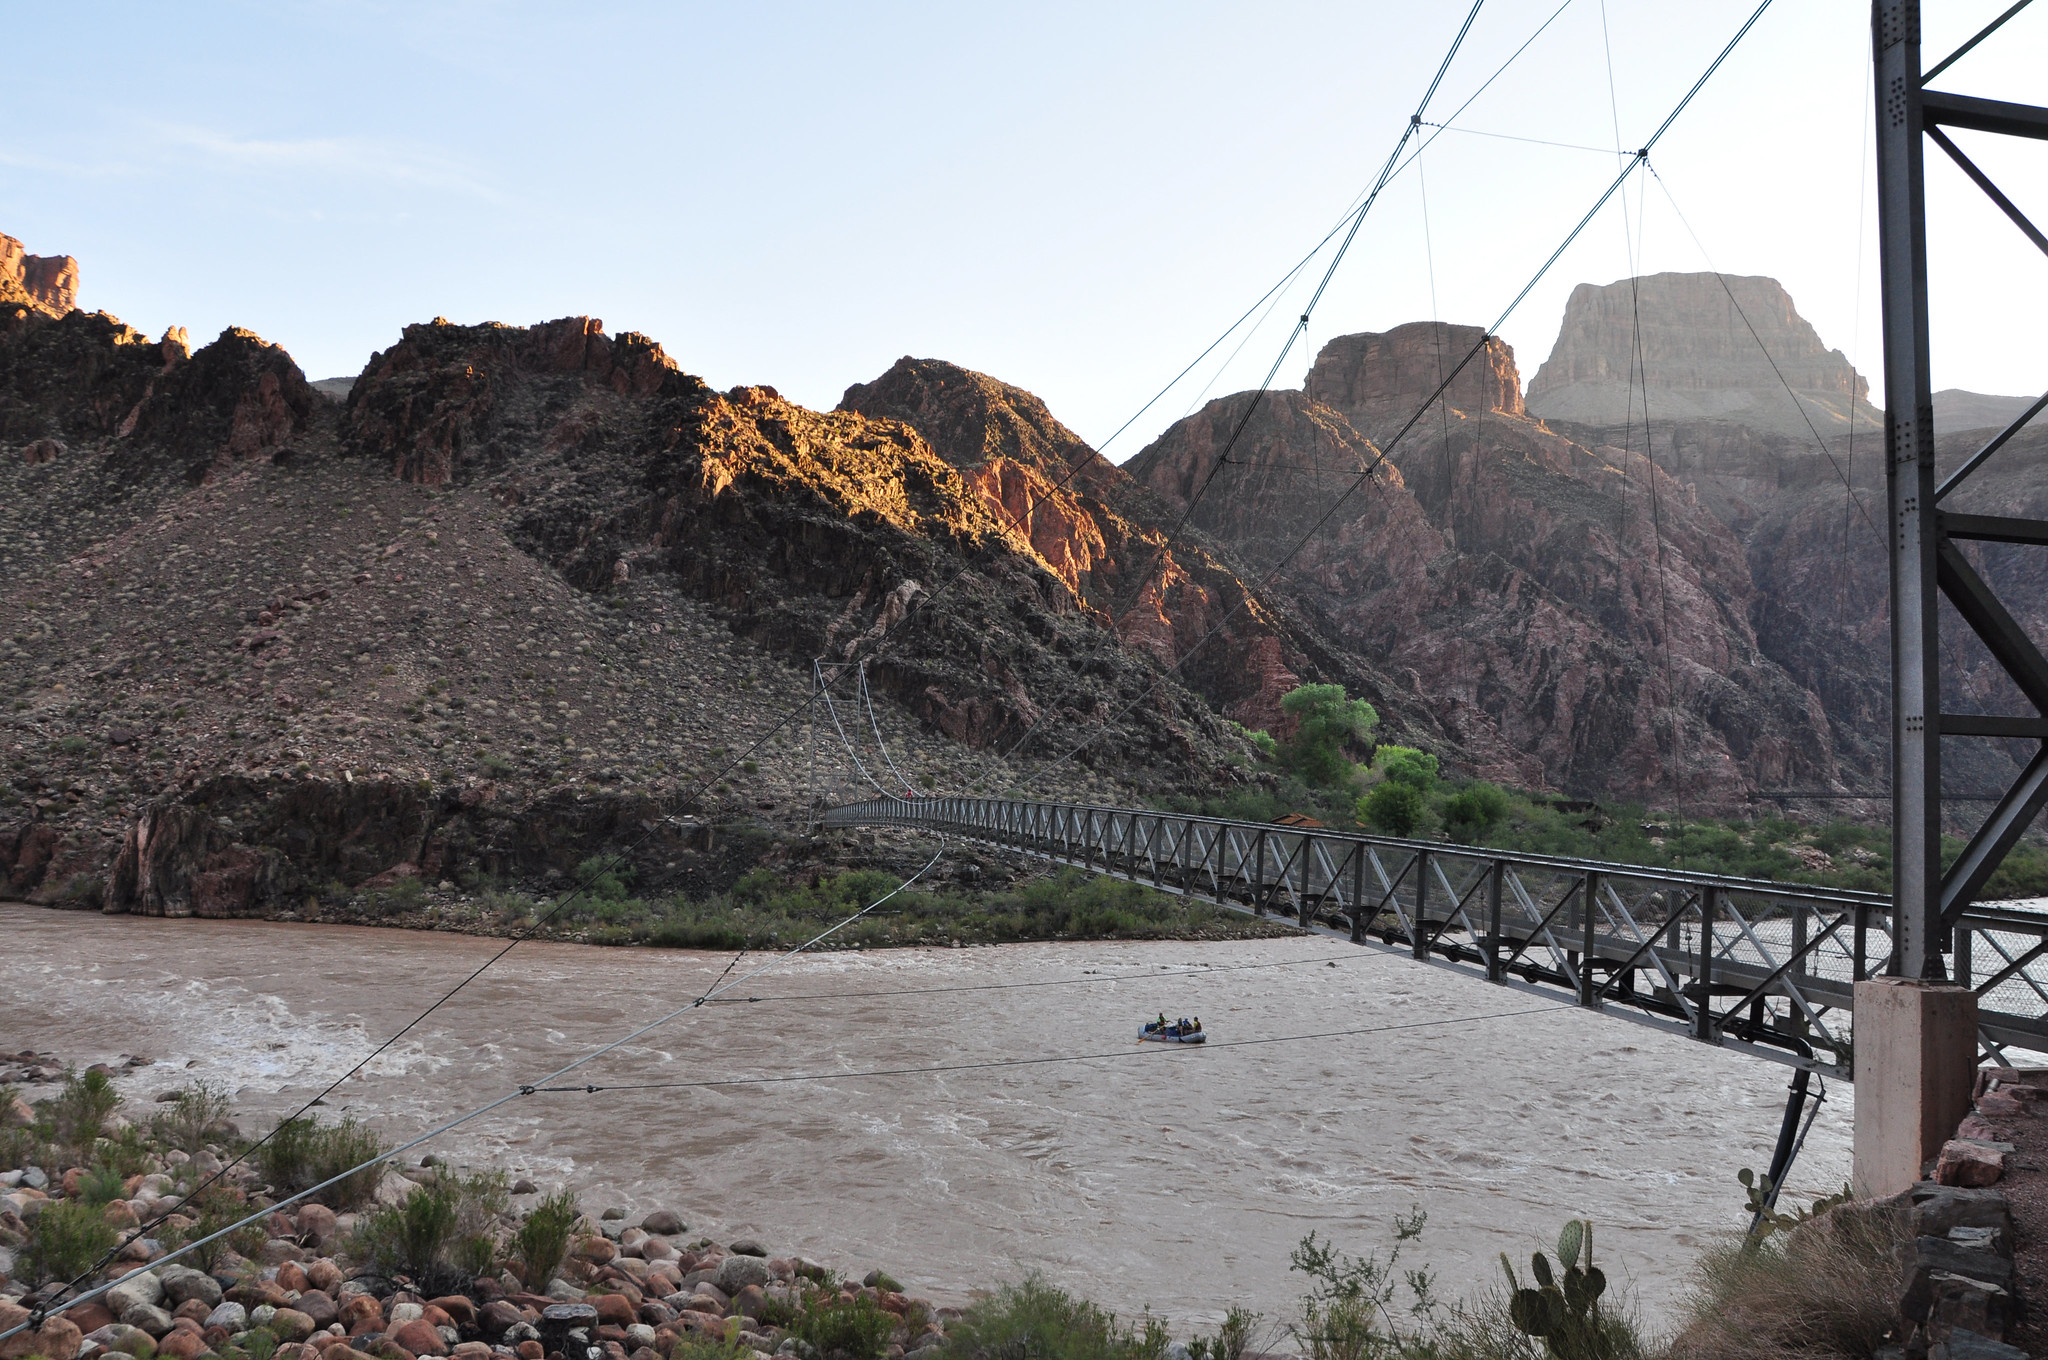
x=1926 y=560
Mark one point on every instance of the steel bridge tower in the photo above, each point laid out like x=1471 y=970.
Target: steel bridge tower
x=1925 y=541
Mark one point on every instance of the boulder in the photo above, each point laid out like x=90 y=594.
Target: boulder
x=361 y=1313
x=57 y=1339
x=182 y=1285
x=324 y=1275
x=143 y=1288
x=615 y=1310
x=1970 y=1163
x=664 y=1223
x=315 y=1223
x=318 y=1305
x=1941 y=1277
x=147 y=1317
x=739 y=1271
x=182 y=1343
x=291 y=1278
x=1964 y=1344
x=747 y=1246
x=459 y=1310
x=498 y=1317
x=233 y=1316
x=294 y=1324
x=192 y=1310
x=419 y=1336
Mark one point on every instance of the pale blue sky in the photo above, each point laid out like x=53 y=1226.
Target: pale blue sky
x=1074 y=198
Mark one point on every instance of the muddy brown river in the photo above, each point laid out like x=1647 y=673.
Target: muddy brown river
x=1147 y=1175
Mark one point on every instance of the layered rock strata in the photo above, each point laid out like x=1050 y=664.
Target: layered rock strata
x=1681 y=347
x=44 y=283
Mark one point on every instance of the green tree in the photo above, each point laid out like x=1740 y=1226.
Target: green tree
x=1473 y=811
x=1407 y=765
x=1395 y=807
x=1326 y=718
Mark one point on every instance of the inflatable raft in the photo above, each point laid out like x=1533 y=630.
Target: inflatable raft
x=1154 y=1032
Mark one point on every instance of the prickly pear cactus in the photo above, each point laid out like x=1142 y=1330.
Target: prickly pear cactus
x=1564 y=1306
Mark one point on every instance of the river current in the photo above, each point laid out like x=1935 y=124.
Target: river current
x=1149 y=1176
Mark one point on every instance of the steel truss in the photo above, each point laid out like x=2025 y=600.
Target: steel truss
x=1741 y=963
x=1927 y=559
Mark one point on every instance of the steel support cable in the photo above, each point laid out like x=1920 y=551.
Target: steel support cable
x=854 y=755
x=1485 y=338
x=1356 y=219
x=1650 y=456
x=874 y=723
x=36 y=1318
x=1763 y=349
x=1051 y=1058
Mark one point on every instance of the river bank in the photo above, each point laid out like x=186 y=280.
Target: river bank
x=1136 y=1176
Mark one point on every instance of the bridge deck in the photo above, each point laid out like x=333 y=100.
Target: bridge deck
x=1745 y=963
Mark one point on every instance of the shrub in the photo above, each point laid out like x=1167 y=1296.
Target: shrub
x=302 y=1153
x=66 y=1239
x=199 y=1108
x=74 y=745
x=77 y=1115
x=1036 y=1320
x=1473 y=811
x=1233 y=1339
x=1406 y=765
x=409 y=1238
x=212 y=1210
x=100 y=1186
x=605 y=878
x=87 y=891
x=543 y=1239
x=1327 y=719
x=1828 y=1287
x=703 y=1347
x=1395 y=807
x=835 y=1329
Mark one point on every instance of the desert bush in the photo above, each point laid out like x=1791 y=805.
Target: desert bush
x=66 y=1239
x=543 y=1239
x=99 y=1186
x=186 y=1122
x=302 y=1153
x=1035 y=1319
x=1827 y=1287
x=1406 y=765
x=211 y=1210
x=705 y=1347
x=85 y=891
x=410 y=1238
x=75 y=1119
x=832 y=1328
x=1233 y=1340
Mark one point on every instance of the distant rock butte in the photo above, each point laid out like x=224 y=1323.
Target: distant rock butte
x=1699 y=359
x=48 y=283
x=1375 y=377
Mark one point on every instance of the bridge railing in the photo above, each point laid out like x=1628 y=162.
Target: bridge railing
x=1745 y=963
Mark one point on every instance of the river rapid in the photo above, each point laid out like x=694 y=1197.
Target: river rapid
x=1151 y=1176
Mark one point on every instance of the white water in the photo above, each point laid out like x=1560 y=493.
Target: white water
x=1160 y=1176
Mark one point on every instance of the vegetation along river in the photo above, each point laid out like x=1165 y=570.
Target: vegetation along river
x=1177 y=1178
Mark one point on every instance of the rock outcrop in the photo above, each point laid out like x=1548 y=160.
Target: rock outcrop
x=1574 y=617
x=1680 y=346
x=1373 y=377
x=43 y=283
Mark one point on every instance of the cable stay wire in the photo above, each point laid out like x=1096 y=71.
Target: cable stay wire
x=1137 y=1050
x=1764 y=349
x=1510 y=137
x=1124 y=600
x=875 y=725
x=852 y=754
x=1383 y=453
x=44 y=1311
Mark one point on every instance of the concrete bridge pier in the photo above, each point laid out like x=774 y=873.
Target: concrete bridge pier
x=1916 y=1064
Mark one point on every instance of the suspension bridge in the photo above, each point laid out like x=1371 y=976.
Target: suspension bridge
x=1765 y=967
